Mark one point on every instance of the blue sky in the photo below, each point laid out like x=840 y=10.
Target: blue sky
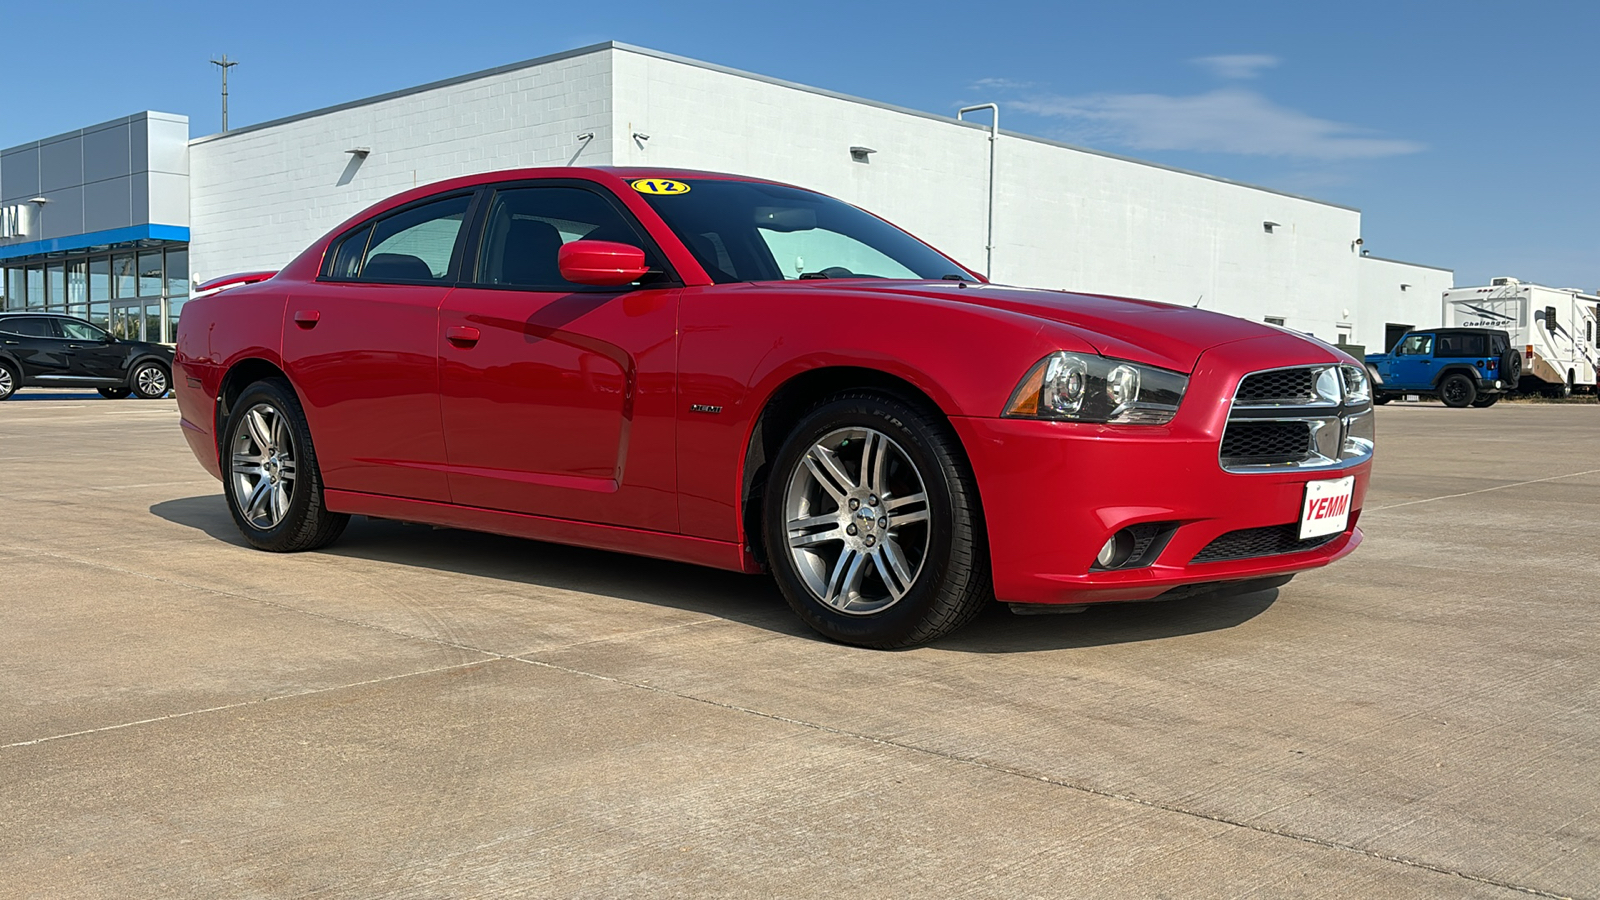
x=1468 y=133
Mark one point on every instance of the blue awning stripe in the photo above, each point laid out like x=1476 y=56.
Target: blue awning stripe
x=96 y=239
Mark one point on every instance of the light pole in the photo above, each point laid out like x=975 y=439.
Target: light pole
x=994 y=134
x=226 y=64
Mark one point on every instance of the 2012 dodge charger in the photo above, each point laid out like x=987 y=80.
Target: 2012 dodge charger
x=752 y=376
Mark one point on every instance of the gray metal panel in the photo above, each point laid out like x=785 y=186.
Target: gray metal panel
x=169 y=145
x=105 y=154
x=20 y=180
x=168 y=198
x=138 y=145
x=61 y=164
x=139 y=198
x=108 y=203
x=63 y=215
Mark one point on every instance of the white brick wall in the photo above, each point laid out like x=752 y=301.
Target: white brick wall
x=1401 y=293
x=261 y=195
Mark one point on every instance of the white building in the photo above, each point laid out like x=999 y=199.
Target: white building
x=1064 y=217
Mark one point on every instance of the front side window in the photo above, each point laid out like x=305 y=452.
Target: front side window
x=527 y=227
x=417 y=244
x=1417 y=345
x=749 y=231
x=80 y=331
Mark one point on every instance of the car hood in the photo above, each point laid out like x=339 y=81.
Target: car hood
x=1157 y=334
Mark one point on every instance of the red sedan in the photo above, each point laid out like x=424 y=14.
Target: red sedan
x=752 y=376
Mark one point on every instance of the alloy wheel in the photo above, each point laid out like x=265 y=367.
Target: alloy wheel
x=151 y=380
x=857 y=521
x=263 y=466
x=7 y=382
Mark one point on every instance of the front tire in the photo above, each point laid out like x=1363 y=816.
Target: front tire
x=1457 y=391
x=150 y=380
x=873 y=525
x=269 y=472
x=9 y=381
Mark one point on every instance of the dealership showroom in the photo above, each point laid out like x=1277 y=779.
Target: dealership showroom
x=437 y=707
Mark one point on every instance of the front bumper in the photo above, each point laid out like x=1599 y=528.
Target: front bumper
x=1054 y=492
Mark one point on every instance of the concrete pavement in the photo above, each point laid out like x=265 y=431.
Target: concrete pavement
x=434 y=713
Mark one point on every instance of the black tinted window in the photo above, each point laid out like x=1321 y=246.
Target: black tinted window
x=417 y=244
x=29 y=326
x=345 y=260
x=527 y=226
x=1462 y=345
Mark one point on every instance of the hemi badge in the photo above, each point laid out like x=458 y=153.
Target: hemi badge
x=704 y=408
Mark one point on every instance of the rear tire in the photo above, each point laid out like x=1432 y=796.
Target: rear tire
x=873 y=525
x=116 y=393
x=270 y=474
x=10 y=381
x=1457 y=391
x=150 y=380
x=1486 y=402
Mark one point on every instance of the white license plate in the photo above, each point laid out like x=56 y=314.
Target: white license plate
x=1327 y=507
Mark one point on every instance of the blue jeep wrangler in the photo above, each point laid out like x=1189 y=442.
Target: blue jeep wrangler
x=1462 y=366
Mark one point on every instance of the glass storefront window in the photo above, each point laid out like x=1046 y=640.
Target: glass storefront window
x=174 y=311
x=152 y=322
x=14 y=289
x=35 y=291
x=122 y=277
x=78 y=288
x=100 y=278
x=150 y=274
x=100 y=315
x=55 y=286
x=178 y=273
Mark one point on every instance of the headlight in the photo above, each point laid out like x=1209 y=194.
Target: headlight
x=1079 y=388
x=1356 y=387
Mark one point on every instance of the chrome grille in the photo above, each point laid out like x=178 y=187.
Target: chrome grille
x=1296 y=417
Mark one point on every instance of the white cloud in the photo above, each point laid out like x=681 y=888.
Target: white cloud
x=1222 y=121
x=1237 y=65
x=1001 y=84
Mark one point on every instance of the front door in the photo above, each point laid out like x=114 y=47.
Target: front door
x=1412 y=368
x=557 y=398
x=91 y=353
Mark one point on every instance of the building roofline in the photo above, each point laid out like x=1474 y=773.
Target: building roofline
x=98 y=126
x=753 y=76
x=1402 y=262
x=406 y=92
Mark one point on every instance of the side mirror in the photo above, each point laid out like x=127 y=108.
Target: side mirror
x=601 y=263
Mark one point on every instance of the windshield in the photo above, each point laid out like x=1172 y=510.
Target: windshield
x=745 y=231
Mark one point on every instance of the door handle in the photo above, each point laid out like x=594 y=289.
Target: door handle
x=307 y=318
x=74 y=346
x=462 y=335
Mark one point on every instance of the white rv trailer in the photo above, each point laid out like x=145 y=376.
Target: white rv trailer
x=1555 y=328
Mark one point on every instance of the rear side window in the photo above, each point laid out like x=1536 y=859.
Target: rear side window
x=415 y=245
x=1460 y=346
x=527 y=226
x=344 y=262
x=29 y=326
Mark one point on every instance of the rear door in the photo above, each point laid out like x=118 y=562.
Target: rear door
x=361 y=345
x=558 y=398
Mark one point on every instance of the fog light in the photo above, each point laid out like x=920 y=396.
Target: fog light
x=1116 y=551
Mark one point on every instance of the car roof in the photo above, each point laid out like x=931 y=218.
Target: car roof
x=1459 y=331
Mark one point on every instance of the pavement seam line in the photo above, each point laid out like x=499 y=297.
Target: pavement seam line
x=243 y=703
x=1498 y=487
x=1057 y=782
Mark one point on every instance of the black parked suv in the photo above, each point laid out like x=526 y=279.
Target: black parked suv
x=52 y=350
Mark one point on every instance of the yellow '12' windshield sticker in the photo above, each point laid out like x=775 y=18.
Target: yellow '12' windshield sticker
x=659 y=186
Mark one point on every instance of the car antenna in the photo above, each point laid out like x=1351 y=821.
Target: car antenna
x=1197 y=301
